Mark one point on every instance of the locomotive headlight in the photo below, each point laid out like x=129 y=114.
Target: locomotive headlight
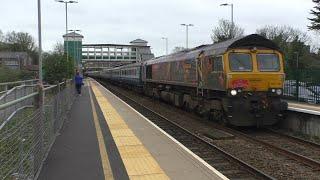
x=279 y=91
x=273 y=90
x=233 y=92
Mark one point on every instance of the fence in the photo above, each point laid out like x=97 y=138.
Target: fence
x=303 y=85
x=14 y=94
x=26 y=137
x=4 y=87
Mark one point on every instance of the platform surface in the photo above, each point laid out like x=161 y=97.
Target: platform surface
x=304 y=107
x=106 y=139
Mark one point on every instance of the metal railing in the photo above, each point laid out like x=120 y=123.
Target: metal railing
x=303 y=85
x=14 y=94
x=4 y=87
x=27 y=135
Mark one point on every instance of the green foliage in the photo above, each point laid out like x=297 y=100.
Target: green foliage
x=19 y=42
x=315 y=21
x=293 y=43
x=9 y=75
x=226 y=30
x=57 y=68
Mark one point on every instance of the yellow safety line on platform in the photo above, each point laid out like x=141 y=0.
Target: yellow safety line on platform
x=137 y=160
x=102 y=147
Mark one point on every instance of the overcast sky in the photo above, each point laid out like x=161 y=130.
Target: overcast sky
x=120 y=21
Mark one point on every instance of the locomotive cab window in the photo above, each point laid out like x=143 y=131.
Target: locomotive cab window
x=240 y=62
x=217 y=64
x=268 y=62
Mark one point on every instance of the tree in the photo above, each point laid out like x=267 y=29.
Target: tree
x=315 y=21
x=10 y=75
x=59 y=48
x=226 y=30
x=177 y=49
x=57 y=68
x=291 y=41
x=1 y=37
x=20 y=41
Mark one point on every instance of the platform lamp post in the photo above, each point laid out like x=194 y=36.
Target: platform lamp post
x=187 y=32
x=66 y=4
x=231 y=5
x=166 y=39
x=40 y=43
x=297 y=74
x=74 y=44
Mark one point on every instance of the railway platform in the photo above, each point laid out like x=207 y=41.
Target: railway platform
x=304 y=107
x=105 y=138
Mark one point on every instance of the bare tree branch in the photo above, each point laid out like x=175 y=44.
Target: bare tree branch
x=226 y=30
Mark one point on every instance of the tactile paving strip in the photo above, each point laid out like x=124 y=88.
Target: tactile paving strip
x=138 y=161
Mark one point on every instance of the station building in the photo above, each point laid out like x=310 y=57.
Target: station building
x=94 y=57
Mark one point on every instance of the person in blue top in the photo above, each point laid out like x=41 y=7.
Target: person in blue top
x=78 y=81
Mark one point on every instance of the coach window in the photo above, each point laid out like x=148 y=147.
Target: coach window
x=149 y=72
x=217 y=64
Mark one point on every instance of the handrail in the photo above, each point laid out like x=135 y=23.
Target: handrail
x=8 y=104
x=50 y=87
x=17 y=82
x=6 y=93
x=14 y=113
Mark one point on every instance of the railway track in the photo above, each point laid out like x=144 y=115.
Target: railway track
x=227 y=164
x=296 y=139
x=244 y=148
x=297 y=149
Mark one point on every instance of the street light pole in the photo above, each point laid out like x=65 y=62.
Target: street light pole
x=66 y=7
x=226 y=4
x=297 y=60
x=40 y=43
x=187 y=33
x=165 y=38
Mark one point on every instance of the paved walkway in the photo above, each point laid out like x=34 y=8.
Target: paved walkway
x=104 y=138
x=75 y=154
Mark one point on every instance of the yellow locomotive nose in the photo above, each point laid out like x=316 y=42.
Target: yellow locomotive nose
x=255 y=81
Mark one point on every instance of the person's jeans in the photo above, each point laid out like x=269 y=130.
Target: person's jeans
x=78 y=87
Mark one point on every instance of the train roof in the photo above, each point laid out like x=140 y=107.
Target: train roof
x=137 y=64
x=250 y=41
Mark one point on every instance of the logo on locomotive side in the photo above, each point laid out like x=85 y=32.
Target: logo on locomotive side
x=240 y=83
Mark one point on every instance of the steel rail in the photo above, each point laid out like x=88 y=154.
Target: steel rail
x=248 y=167
x=296 y=139
x=300 y=158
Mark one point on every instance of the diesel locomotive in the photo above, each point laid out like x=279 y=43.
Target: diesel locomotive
x=237 y=82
